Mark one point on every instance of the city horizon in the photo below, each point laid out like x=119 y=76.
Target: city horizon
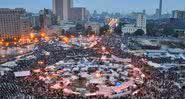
x=125 y=7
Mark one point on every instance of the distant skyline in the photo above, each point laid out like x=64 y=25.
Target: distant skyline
x=122 y=6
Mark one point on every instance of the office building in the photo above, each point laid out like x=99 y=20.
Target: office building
x=178 y=14
x=10 y=22
x=62 y=8
x=160 y=7
x=45 y=18
x=94 y=25
x=25 y=25
x=140 y=24
x=77 y=14
x=141 y=21
x=35 y=20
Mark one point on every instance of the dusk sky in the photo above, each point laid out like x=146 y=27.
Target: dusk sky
x=123 y=6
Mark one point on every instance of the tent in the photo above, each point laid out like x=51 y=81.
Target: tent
x=22 y=73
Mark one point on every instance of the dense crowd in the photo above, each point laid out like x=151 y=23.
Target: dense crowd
x=158 y=84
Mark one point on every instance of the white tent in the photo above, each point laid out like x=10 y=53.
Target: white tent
x=22 y=73
x=9 y=64
x=120 y=59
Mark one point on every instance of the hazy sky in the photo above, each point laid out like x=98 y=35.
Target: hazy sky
x=123 y=6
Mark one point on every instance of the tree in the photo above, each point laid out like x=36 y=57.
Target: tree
x=88 y=30
x=152 y=29
x=104 y=29
x=80 y=27
x=118 y=30
x=168 y=31
x=139 y=32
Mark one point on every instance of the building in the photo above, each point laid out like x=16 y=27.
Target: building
x=157 y=13
x=45 y=18
x=65 y=10
x=67 y=25
x=141 y=21
x=10 y=22
x=62 y=8
x=35 y=20
x=94 y=25
x=129 y=28
x=25 y=26
x=140 y=24
x=77 y=14
x=160 y=8
x=178 y=14
x=180 y=32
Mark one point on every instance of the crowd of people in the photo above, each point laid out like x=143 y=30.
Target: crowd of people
x=157 y=83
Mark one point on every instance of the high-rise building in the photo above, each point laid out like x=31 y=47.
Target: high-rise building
x=35 y=20
x=77 y=14
x=141 y=21
x=62 y=8
x=157 y=12
x=144 y=11
x=140 y=24
x=25 y=25
x=178 y=14
x=10 y=22
x=45 y=18
x=160 y=7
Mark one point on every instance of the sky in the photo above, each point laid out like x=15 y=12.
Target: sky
x=122 y=6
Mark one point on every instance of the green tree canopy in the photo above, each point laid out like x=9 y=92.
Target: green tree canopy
x=139 y=32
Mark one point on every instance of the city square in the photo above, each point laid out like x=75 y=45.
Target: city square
x=74 y=49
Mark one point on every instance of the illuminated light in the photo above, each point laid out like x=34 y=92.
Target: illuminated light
x=15 y=43
x=42 y=78
x=7 y=44
x=35 y=40
x=98 y=74
x=43 y=34
x=72 y=36
x=21 y=51
x=66 y=39
x=50 y=68
x=28 y=40
x=1 y=39
x=46 y=38
x=36 y=70
x=103 y=48
x=20 y=40
x=103 y=58
x=32 y=35
x=48 y=77
x=3 y=56
x=60 y=71
x=1 y=43
x=56 y=86
x=40 y=62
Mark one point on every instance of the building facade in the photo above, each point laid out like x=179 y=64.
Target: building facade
x=178 y=14
x=77 y=14
x=140 y=24
x=25 y=26
x=62 y=8
x=10 y=22
x=160 y=7
x=35 y=20
x=94 y=25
